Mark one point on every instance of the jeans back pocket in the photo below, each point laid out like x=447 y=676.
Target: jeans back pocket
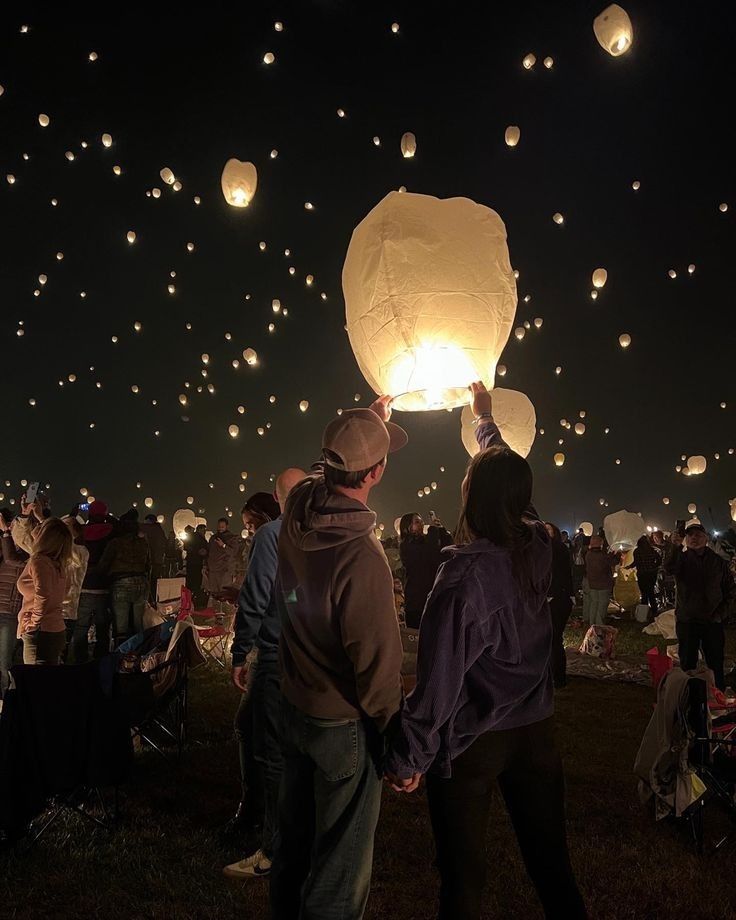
x=333 y=746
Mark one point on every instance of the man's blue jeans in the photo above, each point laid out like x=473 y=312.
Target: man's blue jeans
x=329 y=803
x=8 y=640
x=93 y=608
x=128 y=601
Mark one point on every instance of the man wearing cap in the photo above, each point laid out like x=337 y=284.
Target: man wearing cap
x=340 y=655
x=705 y=591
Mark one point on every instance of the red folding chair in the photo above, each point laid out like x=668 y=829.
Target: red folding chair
x=214 y=636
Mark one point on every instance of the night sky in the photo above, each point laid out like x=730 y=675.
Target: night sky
x=190 y=90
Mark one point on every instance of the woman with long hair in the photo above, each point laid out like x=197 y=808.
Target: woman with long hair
x=560 y=603
x=43 y=587
x=258 y=510
x=421 y=556
x=482 y=709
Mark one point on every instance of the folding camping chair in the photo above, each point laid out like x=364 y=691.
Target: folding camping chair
x=215 y=633
x=713 y=757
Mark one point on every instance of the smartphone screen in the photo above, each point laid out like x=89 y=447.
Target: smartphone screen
x=32 y=493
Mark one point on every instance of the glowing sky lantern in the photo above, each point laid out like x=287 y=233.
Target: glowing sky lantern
x=558 y=218
x=586 y=527
x=511 y=135
x=697 y=465
x=239 y=181
x=723 y=207
x=250 y=356
x=514 y=414
x=430 y=298
x=107 y=140
x=692 y=508
x=559 y=459
x=394 y=27
x=44 y=120
x=538 y=321
x=580 y=428
x=408 y=145
x=183 y=518
x=528 y=61
x=269 y=57
x=130 y=236
x=549 y=63
x=304 y=405
x=624 y=340
x=665 y=501
x=167 y=176
x=148 y=502
x=732 y=505
x=501 y=370
x=623 y=529
x=233 y=431
x=599 y=277
x=613 y=30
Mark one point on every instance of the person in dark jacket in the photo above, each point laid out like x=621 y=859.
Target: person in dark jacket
x=156 y=537
x=482 y=711
x=94 y=599
x=197 y=549
x=255 y=653
x=12 y=563
x=421 y=556
x=647 y=562
x=599 y=568
x=560 y=603
x=705 y=592
x=127 y=563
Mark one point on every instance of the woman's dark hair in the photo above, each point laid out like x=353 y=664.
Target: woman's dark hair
x=556 y=534
x=498 y=491
x=262 y=504
x=405 y=525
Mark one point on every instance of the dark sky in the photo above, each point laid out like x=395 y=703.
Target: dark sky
x=189 y=90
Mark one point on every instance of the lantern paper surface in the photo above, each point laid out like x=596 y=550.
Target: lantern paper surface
x=623 y=529
x=514 y=414
x=183 y=518
x=613 y=30
x=238 y=182
x=430 y=298
x=408 y=145
x=512 y=135
x=732 y=505
x=697 y=465
x=587 y=528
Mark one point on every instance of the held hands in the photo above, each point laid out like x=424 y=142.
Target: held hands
x=480 y=399
x=403 y=785
x=382 y=407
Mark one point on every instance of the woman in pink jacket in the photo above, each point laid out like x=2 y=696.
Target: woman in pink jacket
x=43 y=587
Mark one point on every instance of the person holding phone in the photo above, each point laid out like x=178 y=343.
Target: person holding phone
x=421 y=556
x=42 y=585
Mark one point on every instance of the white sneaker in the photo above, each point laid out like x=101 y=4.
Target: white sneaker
x=256 y=866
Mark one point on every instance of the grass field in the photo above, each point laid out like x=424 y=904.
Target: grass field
x=165 y=859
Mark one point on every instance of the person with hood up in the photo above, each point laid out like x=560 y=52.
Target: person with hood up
x=12 y=563
x=255 y=654
x=157 y=544
x=599 y=568
x=126 y=561
x=94 y=598
x=340 y=654
x=221 y=557
x=481 y=712
x=421 y=556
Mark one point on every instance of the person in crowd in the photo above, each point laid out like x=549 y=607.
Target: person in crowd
x=482 y=709
x=255 y=673
x=260 y=509
x=157 y=543
x=421 y=556
x=560 y=603
x=126 y=561
x=76 y=572
x=12 y=563
x=399 y=601
x=221 y=557
x=94 y=599
x=579 y=549
x=705 y=594
x=340 y=654
x=599 y=568
x=647 y=562
x=196 y=549
x=173 y=560
x=42 y=585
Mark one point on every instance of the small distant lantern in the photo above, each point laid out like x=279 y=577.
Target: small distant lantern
x=512 y=134
x=408 y=145
x=107 y=140
x=528 y=61
x=233 y=431
x=167 y=176
x=624 y=340
x=559 y=459
x=304 y=405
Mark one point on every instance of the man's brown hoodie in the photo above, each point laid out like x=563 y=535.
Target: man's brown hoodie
x=340 y=647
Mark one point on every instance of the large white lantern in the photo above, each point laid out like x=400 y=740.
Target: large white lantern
x=183 y=518
x=408 y=145
x=239 y=181
x=587 y=528
x=167 y=175
x=599 y=278
x=430 y=298
x=696 y=465
x=512 y=135
x=514 y=414
x=613 y=30
x=623 y=529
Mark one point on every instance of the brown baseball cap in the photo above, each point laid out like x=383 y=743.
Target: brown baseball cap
x=360 y=439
